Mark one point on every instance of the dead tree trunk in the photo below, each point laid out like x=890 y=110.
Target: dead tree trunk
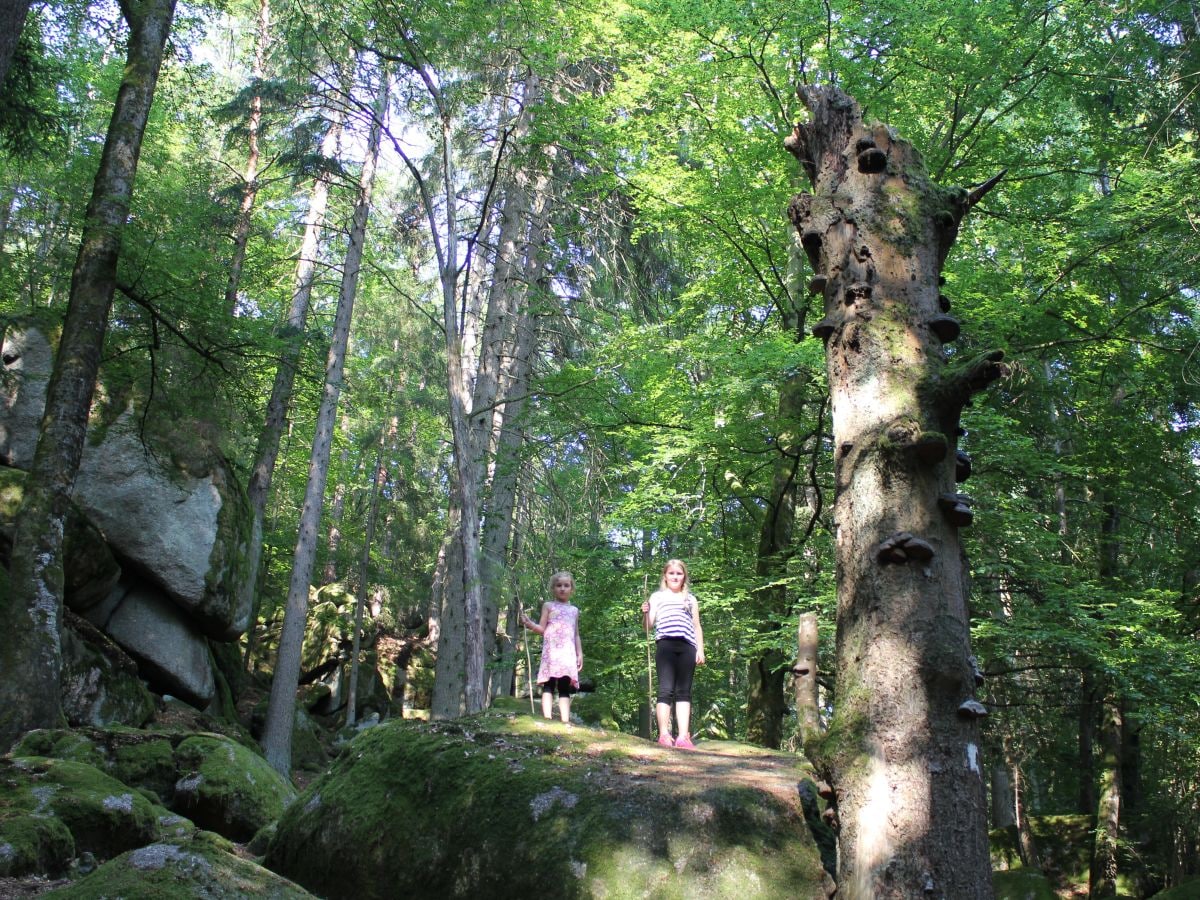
x=804 y=684
x=902 y=752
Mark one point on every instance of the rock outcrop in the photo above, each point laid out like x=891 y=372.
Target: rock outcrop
x=504 y=805
x=156 y=550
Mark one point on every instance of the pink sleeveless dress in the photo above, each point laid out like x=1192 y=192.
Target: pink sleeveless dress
x=558 y=644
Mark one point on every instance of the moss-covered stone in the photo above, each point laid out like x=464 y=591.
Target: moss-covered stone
x=40 y=798
x=200 y=866
x=1022 y=884
x=1189 y=890
x=33 y=844
x=506 y=805
x=140 y=759
x=100 y=682
x=227 y=788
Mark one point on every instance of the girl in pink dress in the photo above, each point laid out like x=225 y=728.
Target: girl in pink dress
x=562 y=654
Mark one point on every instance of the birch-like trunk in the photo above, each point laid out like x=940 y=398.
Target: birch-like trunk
x=241 y=228
x=475 y=417
x=30 y=654
x=281 y=710
x=902 y=752
x=804 y=685
x=266 y=452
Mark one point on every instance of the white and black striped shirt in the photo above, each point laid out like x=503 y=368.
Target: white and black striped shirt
x=673 y=615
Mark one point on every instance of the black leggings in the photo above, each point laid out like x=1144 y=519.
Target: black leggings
x=675 y=659
x=562 y=685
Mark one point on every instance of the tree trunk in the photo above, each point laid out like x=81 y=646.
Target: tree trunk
x=902 y=751
x=337 y=510
x=30 y=655
x=364 y=581
x=498 y=525
x=266 y=452
x=12 y=22
x=1025 y=841
x=1103 y=880
x=1003 y=804
x=241 y=228
x=804 y=684
x=277 y=735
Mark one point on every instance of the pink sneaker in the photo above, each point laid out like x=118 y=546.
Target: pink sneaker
x=684 y=742
x=665 y=740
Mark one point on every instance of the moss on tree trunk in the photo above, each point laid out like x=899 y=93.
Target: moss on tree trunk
x=902 y=753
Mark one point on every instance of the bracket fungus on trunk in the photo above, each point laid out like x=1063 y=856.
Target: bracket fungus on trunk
x=877 y=231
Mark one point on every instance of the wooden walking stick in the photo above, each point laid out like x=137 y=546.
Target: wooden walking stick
x=649 y=671
x=528 y=663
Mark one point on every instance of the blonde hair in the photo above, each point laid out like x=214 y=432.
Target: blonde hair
x=662 y=582
x=560 y=575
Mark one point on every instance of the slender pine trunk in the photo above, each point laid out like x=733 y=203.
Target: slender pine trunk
x=277 y=735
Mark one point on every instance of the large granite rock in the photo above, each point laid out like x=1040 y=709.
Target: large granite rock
x=171 y=654
x=158 y=555
x=27 y=359
x=216 y=782
x=101 y=684
x=199 y=865
x=501 y=805
x=55 y=810
x=176 y=514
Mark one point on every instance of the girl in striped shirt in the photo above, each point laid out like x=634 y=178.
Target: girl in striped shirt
x=679 y=647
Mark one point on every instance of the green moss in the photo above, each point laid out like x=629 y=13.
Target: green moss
x=103 y=816
x=1022 y=884
x=146 y=763
x=1189 y=890
x=34 y=844
x=226 y=787
x=200 y=866
x=470 y=808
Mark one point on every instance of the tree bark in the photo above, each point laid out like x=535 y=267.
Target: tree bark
x=30 y=655
x=1104 y=869
x=241 y=228
x=804 y=684
x=902 y=751
x=266 y=452
x=277 y=735
x=364 y=582
x=475 y=417
x=12 y=21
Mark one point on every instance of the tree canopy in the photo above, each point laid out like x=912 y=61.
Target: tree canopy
x=655 y=388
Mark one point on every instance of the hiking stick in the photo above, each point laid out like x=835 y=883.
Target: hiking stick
x=528 y=663
x=649 y=672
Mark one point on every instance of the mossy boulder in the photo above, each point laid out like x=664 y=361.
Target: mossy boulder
x=214 y=780
x=1022 y=884
x=1189 y=890
x=507 y=805
x=143 y=760
x=100 y=682
x=52 y=810
x=227 y=788
x=203 y=865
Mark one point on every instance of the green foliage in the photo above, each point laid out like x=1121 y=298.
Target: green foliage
x=674 y=379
